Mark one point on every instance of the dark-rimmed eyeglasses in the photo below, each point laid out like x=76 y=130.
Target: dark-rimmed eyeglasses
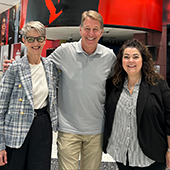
x=40 y=39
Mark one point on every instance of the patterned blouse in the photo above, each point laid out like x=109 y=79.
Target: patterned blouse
x=123 y=140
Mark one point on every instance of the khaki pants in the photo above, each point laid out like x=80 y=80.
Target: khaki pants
x=71 y=145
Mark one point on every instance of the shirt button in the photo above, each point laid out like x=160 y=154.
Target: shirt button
x=22 y=113
x=20 y=86
x=20 y=100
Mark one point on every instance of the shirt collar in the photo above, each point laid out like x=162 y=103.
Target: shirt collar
x=126 y=82
x=79 y=49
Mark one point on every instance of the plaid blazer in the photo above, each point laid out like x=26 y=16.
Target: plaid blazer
x=16 y=101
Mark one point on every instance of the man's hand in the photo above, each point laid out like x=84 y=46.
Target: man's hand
x=6 y=64
x=3 y=157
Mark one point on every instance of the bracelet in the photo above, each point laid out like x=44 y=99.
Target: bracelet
x=168 y=150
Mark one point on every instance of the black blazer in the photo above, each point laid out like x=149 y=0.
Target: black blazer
x=153 y=117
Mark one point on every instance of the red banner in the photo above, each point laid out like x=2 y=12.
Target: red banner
x=129 y=13
x=145 y=14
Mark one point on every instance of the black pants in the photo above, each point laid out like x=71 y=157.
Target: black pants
x=154 y=166
x=35 y=153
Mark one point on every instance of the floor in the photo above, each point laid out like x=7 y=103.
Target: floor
x=107 y=162
x=104 y=165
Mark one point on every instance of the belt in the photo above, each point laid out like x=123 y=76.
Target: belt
x=42 y=111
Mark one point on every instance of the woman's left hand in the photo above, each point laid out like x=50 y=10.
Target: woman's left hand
x=168 y=160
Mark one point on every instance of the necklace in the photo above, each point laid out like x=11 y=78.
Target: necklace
x=130 y=87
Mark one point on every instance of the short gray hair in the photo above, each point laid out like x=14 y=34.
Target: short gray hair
x=92 y=14
x=33 y=25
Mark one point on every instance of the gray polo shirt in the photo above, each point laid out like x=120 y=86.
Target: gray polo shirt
x=82 y=87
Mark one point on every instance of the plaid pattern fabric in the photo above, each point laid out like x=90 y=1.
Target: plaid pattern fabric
x=16 y=101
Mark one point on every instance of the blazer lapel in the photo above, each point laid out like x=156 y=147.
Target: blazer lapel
x=46 y=65
x=46 y=69
x=143 y=93
x=26 y=80
x=110 y=109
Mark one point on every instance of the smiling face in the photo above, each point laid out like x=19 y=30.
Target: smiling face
x=132 y=62
x=91 y=32
x=35 y=48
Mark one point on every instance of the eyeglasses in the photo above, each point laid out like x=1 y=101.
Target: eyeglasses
x=40 y=39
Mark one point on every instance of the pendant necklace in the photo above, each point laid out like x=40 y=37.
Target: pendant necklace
x=130 y=87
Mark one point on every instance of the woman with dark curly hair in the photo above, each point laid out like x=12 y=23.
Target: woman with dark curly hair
x=137 y=123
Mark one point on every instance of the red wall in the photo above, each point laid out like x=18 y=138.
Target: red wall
x=132 y=13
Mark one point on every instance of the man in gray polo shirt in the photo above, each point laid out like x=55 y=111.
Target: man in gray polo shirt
x=85 y=66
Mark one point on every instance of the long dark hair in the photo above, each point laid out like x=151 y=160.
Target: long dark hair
x=148 y=70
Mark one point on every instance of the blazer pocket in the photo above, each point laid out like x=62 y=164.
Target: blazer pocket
x=8 y=124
